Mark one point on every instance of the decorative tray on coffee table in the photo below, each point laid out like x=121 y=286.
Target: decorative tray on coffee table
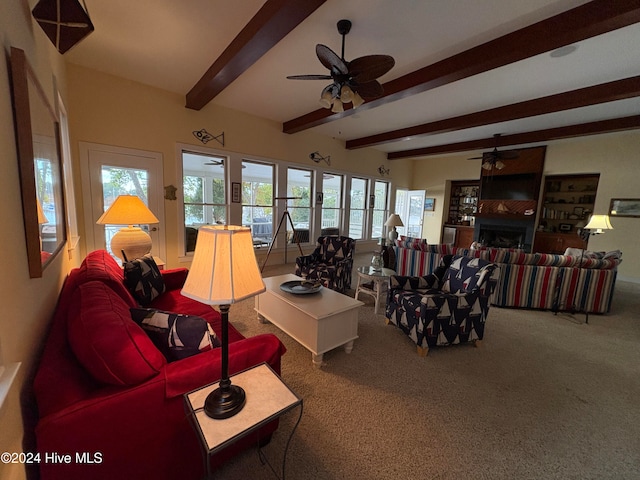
x=301 y=287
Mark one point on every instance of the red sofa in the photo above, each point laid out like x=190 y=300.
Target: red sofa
x=104 y=391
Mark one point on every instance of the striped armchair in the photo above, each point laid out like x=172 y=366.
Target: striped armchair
x=443 y=311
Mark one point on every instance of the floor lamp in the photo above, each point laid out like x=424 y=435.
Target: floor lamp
x=224 y=270
x=597 y=225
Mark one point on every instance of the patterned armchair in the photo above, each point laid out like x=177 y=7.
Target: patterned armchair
x=331 y=262
x=446 y=307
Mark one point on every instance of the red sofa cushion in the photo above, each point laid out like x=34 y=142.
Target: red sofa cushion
x=108 y=343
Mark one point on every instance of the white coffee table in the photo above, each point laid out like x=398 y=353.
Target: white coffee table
x=319 y=322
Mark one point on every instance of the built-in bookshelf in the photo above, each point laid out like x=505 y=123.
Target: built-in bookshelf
x=568 y=202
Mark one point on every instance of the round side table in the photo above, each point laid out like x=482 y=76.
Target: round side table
x=379 y=280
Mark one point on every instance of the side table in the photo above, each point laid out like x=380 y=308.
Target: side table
x=268 y=398
x=378 y=278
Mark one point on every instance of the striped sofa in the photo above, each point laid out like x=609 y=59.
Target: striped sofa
x=526 y=280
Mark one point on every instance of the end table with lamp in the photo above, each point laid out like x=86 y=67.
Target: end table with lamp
x=224 y=271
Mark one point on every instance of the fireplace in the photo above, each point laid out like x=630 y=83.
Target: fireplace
x=496 y=232
x=502 y=236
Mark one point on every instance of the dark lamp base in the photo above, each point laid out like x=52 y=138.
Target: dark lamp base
x=224 y=402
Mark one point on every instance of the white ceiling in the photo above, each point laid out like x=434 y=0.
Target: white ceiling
x=170 y=44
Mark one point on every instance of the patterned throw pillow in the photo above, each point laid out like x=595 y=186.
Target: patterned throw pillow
x=143 y=279
x=176 y=335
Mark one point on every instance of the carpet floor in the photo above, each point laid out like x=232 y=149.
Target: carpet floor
x=544 y=397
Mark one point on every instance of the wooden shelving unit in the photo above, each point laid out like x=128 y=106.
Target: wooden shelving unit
x=463 y=206
x=568 y=202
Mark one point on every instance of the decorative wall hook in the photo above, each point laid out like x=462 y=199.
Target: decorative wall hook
x=316 y=157
x=205 y=136
x=382 y=170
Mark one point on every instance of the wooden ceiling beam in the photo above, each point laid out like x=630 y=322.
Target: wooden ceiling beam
x=582 y=97
x=271 y=24
x=579 y=130
x=586 y=21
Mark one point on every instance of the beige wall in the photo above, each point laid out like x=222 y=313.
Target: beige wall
x=27 y=304
x=614 y=156
x=114 y=111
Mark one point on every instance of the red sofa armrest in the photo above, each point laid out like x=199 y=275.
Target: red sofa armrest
x=174 y=278
x=194 y=372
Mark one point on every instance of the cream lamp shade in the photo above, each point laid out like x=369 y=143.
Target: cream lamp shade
x=129 y=210
x=224 y=270
x=598 y=224
x=392 y=222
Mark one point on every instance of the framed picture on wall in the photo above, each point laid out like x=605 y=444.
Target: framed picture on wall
x=625 y=207
x=236 y=196
x=429 y=204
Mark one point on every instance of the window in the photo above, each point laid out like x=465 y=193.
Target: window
x=380 y=213
x=358 y=208
x=299 y=187
x=257 y=200
x=332 y=207
x=203 y=184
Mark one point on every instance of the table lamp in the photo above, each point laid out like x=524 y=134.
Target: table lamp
x=129 y=210
x=393 y=221
x=224 y=271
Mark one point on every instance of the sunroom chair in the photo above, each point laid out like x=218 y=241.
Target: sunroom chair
x=446 y=307
x=331 y=262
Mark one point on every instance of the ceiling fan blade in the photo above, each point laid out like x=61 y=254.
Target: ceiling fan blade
x=309 y=77
x=330 y=60
x=371 y=89
x=508 y=154
x=368 y=68
x=474 y=158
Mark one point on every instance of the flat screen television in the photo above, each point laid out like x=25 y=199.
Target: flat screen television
x=509 y=187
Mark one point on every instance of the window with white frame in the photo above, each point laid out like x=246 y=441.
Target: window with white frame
x=332 y=204
x=357 y=213
x=204 y=187
x=380 y=213
x=257 y=200
x=299 y=205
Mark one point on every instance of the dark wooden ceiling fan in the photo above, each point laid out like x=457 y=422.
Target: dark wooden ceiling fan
x=493 y=159
x=353 y=81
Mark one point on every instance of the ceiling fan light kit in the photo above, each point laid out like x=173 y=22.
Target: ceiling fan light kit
x=491 y=160
x=352 y=81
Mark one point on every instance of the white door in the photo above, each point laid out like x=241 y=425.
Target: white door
x=109 y=171
x=410 y=207
x=416 y=213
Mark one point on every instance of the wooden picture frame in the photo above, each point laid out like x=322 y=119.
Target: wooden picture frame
x=39 y=161
x=429 y=204
x=236 y=192
x=624 y=207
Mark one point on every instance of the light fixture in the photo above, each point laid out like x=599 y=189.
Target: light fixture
x=492 y=163
x=598 y=223
x=224 y=271
x=382 y=170
x=65 y=22
x=316 y=157
x=129 y=210
x=393 y=221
